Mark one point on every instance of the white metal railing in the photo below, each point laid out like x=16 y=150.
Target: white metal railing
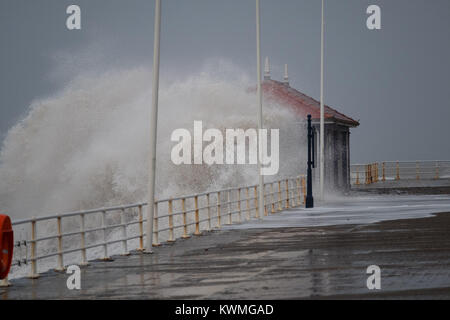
x=399 y=170
x=180 y=217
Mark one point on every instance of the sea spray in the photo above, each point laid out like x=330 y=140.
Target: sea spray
x=87 y=145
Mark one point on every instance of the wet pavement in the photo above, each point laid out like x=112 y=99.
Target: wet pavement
x=317 y=262
x=355 y=210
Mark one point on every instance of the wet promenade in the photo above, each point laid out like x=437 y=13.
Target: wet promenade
x=298 y=254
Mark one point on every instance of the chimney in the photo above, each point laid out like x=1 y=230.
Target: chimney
x=286 y=76
x=267 y=70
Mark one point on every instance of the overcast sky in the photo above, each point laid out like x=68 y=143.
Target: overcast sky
x=394 y=80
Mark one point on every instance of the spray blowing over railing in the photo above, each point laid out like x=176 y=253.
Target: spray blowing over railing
x=121 y=228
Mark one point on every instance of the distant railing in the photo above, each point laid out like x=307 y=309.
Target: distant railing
x=123 y=226
x=361 y=174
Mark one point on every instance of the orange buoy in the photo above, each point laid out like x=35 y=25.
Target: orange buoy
x=6 y=245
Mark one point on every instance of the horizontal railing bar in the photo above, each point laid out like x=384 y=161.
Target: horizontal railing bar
x=203 y=220
x=78 y=213
x=223 y=190
x=113 y=226
x=85 y=248
x=161 y=230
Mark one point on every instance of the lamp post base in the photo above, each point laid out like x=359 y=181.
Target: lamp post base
x=309 y=202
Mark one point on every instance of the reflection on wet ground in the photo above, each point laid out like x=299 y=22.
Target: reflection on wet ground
x=272 y=263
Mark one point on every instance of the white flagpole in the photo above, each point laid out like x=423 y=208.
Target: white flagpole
x=260 y=117
x=322 y=126
x=153 y=128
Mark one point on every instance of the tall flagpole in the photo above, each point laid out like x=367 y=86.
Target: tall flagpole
x=260 y=117
x=153 y=128
x=322 y=126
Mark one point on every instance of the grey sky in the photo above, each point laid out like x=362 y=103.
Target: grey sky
x=395 y=81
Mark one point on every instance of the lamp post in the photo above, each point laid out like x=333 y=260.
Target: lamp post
x=153 y=128
x=309 y=196
x=260 y=117
x=322 y=126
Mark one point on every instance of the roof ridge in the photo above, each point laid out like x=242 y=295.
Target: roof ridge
x=308 y=101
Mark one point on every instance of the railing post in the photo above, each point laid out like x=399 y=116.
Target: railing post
x=299 y=198
x=171 y=239
x=60 y=266
x=384 y=171
x=124 y=232
x=218 y=211
x=230 y=220
x=294 y=197
x=83 y=241
x=417 y=171
x=272 y=199
x=141 y=229
x=33 y=274
x=105 y=245
x=291 y=196
x=185 y=227
x=279 y=196
x=239 y=205
x=156 y=227
x=397 y=177
x=295 y=202
x=247 y=195
x=197 y=217
x=304 y=189
x=209 y=211
x=256 y=203
x=437 y=170
x=265 y=200
x=287 y=194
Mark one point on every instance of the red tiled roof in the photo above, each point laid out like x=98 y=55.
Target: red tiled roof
x=302 y=104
